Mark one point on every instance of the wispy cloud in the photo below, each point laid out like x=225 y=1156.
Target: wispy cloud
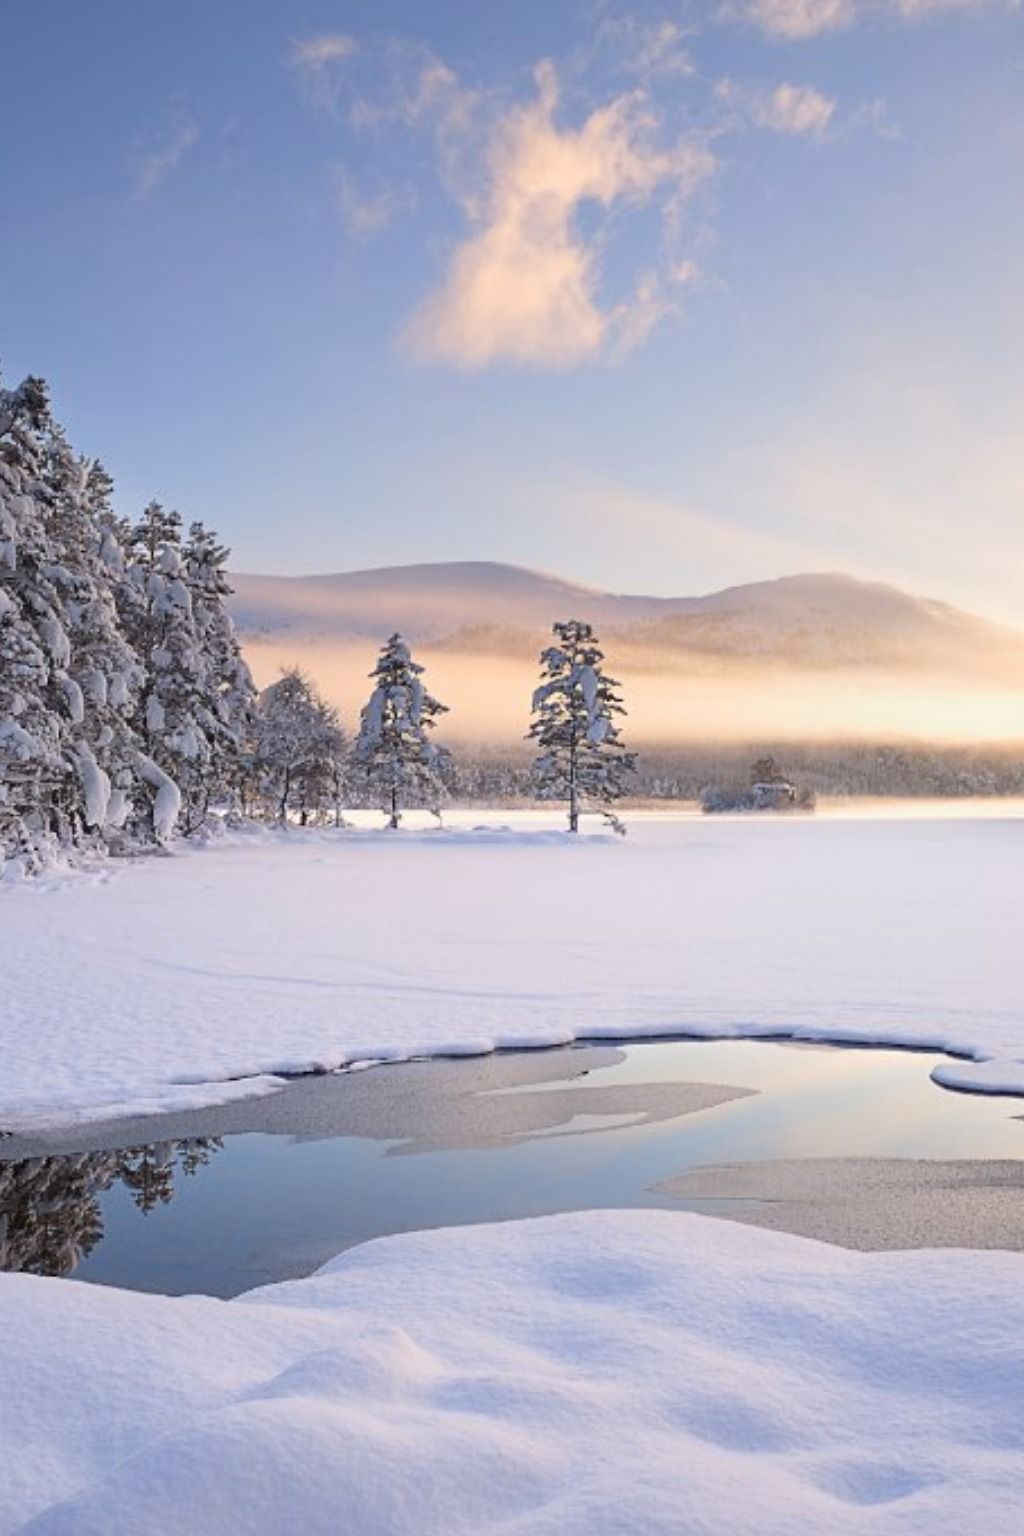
x=164 y=154
x=366 y=212
x=524 y=286
x=877 y=118
x=417 y=88
x=645 y=49
x=792 y=20
x=795 y=109
x=316 y=61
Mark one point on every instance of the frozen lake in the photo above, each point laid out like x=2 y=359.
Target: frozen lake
x=856 y=1146
x=175 y=984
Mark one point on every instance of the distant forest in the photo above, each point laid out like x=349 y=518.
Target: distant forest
x=486 y=775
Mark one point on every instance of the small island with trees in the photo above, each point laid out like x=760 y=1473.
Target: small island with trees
x=769 y=789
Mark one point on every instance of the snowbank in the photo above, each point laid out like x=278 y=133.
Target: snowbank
x=162 y=983
x=579 y=1375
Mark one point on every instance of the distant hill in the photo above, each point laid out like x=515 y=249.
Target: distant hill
x=801 y=657
x=814 y=620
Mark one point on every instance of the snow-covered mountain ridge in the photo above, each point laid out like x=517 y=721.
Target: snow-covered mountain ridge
x=817 y=620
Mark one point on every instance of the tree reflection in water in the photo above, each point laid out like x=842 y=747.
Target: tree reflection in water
x=50 y=1216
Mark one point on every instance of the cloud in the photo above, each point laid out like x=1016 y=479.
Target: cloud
x=794 y=109
x=315 y=61
x=367 y=213
x=792 y=20
x=523 y=287
x=421 y=87
x=876 y=117
x=645 y=49
x=714 y=545
x=411 y=89
x=157 y=162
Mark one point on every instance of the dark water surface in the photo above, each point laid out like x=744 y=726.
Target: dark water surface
x=223 y=1200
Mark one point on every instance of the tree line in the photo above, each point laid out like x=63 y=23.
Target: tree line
x=127 y=712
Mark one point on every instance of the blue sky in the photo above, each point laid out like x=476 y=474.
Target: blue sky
x=660 y=297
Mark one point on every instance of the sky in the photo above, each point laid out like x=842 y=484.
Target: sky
x=661 y=297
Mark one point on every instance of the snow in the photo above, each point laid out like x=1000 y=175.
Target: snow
x=96 y=786
x=276 y=952
x=583 y=1375
x=155 y=718
x=16 y=742
x=56 y=640
x=983 y=1076
x=75 y=700
x=167 y=803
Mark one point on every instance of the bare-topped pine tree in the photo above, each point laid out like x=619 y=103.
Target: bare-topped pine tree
x=581 y=758
x=393 y=745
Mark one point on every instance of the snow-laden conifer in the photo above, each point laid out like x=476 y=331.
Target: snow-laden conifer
x=34 y=647
x=402 y=764
x=581 y=758
x=194 y=711
x=157 y=613
x=102 y=674
x=299 y=747
x=224 y=684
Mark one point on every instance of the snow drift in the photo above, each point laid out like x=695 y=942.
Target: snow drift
x=583 y=1375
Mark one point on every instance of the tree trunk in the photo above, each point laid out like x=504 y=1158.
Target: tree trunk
x=574 y=798
x=393 y=823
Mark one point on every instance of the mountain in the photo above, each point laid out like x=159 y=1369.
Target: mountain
x=814 y=620
x=823 y=651
x=426 y=602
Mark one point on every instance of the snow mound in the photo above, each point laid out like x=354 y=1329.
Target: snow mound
x=611 y=1372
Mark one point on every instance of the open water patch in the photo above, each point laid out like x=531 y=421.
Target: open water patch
x=857 y=1146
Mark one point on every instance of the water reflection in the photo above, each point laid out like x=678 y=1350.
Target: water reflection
x=754 y=1130
x=50 y=1210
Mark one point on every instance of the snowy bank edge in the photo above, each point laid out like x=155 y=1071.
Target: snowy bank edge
x=969 y=1070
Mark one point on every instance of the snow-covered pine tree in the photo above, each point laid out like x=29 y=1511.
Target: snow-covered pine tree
x=102 y=674
x=156 y=612
x=581 y=757
x=34 y=647
x=393 y=746
x=226 y=687
x=298 y=750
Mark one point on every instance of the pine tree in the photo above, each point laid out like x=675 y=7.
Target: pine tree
x=393 y=746
x=34 y=648
x=123 y=694
x=581 y=757
x=195 y=711
x=298 y=750
x=225 y=692
x=102 y=673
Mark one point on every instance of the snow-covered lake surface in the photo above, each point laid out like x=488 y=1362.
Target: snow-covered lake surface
x=856 y=1146
x=194 y=979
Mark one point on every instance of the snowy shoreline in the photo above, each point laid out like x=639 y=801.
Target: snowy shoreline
x=184 y=982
